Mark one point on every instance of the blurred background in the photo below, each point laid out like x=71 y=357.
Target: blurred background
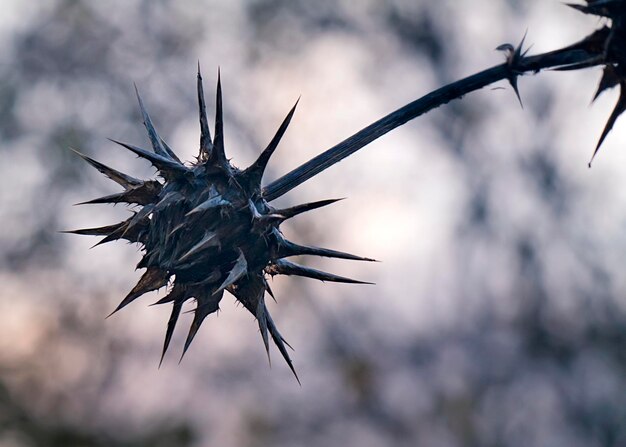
x=498 y=315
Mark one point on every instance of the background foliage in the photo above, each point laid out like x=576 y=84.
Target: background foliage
x=498 y=314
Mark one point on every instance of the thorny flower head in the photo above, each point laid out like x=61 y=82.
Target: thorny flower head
x=207 y=227
x=610 y=47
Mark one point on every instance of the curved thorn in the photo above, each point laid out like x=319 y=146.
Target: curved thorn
x=110 y=238
x=268 y=289
x=213 y=202
x=620 y=108
x=99 y=231
x=141 y=195
x=170 y=151
x=254 y=173
x=513 y=81
x=506 y=47
x=239 y=270
x=171 y=325
x=283 y=267
x=203 y=310
x=123 y=232
x=280 y=342
x=610 y=79
x=293 y=211
x=218 y=155
x=250 y=293
x=154 y=278
x=138 y=218
x=287 y=248
x=126 y=181
x=210 y=239
x=166 y=166
x=206 y=145
x=155 y=140
x=261 y=316
x=111 y=198
x=177 y=293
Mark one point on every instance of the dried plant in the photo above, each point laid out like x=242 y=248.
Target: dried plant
x=208 y=227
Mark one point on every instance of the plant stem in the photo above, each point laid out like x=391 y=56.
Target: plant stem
x=570 y=56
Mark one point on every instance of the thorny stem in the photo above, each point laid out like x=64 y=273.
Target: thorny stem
x=576 y=54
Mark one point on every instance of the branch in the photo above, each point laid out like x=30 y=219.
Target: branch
x=587 y=53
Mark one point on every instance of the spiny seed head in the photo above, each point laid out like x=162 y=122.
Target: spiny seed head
x=611 y=9
x=609 y=42
x=206 y=228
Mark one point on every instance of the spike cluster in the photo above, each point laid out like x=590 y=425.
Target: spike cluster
x=613 y=55
x=207 y=228
x=513 y=57
x=607 y=46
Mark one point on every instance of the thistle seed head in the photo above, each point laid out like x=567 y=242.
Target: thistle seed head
x=206 y=228
x=604 y=8
x=610 y=41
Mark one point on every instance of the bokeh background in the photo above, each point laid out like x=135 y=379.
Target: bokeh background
x=498 y=315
